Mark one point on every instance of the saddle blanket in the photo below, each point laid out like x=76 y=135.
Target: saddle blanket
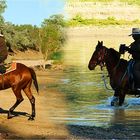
x=10 y=67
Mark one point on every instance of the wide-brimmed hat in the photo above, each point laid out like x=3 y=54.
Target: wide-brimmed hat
x=135 y=31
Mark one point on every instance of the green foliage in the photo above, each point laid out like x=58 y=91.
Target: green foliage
x=52 y=36
x=57 y=55
x=21 y=37
x=49 y=38
x=78 y=18
x=2 y=6
x=100 y=22
x=2 y=9
x=55 y=20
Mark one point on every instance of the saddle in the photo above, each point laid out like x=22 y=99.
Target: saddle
x=6 y=68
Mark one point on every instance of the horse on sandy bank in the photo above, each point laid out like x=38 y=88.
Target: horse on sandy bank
x=20 y=79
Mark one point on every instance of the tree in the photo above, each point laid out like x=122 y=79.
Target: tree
x=21 y=37
x=52 y=35
x=2 y=9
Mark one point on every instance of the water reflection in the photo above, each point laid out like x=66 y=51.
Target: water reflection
x=125 y=119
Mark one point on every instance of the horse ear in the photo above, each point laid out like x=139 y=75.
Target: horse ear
x=102 y=43
x=98 y=42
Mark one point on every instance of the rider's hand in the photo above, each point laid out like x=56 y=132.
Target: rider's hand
x=122 y=49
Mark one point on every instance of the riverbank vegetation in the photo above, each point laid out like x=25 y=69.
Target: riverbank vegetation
x=78 y=20
x=49 y=38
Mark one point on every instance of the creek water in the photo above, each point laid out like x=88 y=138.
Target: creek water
x=90 y=101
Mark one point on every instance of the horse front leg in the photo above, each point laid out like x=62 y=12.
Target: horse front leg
x=115 y=98
x=19 y=98
x=121 y=97
x=10 y=115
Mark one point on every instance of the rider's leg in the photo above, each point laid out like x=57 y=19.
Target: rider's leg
x=137 y=74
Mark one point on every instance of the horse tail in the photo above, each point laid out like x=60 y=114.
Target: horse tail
x=33 y=74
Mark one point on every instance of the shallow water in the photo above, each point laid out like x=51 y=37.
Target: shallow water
x=90 y=101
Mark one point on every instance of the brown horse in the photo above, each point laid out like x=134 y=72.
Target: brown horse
x=117 y=71
x=20 y=79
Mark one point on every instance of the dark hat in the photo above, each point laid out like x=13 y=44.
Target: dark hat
x=135 y=31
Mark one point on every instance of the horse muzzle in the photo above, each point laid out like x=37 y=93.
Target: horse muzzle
x=91 y=66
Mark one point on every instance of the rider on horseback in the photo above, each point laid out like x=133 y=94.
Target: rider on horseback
x=3 y=53
x=134 y=50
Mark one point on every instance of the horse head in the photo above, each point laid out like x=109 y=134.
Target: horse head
x=98 y=57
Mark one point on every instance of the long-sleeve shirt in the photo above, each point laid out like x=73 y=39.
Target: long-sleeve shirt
x=135 y=50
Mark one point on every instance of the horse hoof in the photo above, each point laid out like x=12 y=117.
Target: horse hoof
x=31 y=118
x=112 y=104
x=9 y=116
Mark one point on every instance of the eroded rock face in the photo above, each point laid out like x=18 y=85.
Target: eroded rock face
x=102 y=10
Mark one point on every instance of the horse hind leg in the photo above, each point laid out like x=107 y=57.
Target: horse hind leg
x=18 y=101
x=32 y=101
x=28 y=92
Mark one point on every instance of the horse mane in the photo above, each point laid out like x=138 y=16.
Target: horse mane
x=116 y=55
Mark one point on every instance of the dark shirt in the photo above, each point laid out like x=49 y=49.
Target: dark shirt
x=135 y=50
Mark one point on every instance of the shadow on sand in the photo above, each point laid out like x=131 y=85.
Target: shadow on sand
x=15 y=113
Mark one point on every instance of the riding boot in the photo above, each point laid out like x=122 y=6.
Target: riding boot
x=136 y=72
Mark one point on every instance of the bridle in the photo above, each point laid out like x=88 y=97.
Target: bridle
x=102 y=57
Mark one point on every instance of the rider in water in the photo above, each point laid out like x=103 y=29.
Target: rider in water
x=134 y=50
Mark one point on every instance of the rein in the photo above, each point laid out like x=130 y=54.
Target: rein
x=102 y=64
x=104 y=80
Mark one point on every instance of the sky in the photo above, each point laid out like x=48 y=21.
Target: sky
x=32 y=11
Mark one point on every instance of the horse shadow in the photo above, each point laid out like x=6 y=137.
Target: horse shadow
x=14 y=113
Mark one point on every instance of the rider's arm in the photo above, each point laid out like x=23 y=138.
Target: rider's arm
x=123 y=48
x=134 y=48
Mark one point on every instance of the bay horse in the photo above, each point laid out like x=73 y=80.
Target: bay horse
x=117 y=71
x=20 y=79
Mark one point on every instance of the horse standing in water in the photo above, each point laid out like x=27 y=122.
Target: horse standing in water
x=117 y=71
x=20 y=79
